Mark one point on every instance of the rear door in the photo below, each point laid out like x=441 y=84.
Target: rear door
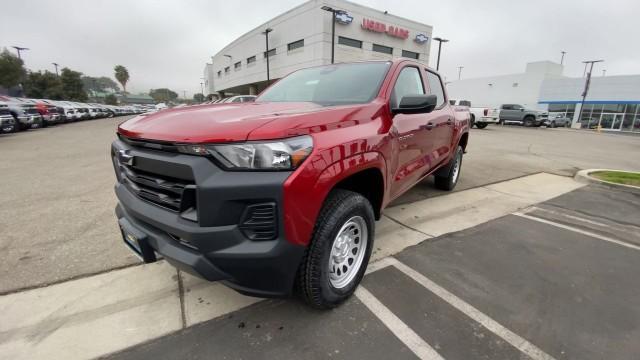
x=506 y=112
x=409 y=132
x=441 y=120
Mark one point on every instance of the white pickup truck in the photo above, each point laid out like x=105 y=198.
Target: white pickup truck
x=480 y=116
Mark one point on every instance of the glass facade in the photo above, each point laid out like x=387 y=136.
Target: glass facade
x=612 y=117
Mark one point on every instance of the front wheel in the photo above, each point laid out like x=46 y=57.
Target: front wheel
x=481 y=125
x=472 y=121
x=447 y=177
x=339 y=251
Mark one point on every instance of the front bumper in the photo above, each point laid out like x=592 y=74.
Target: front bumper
x=7 y=123
x=213 y=243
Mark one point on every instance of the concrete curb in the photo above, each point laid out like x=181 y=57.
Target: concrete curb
x=583 y=176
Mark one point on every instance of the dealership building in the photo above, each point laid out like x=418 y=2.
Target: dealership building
x=612 y=102
x=301 y=37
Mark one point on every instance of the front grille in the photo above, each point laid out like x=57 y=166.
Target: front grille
x=170 y=193
x=259 y=222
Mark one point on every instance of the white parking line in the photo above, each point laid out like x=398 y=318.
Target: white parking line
x=579 y=231
x=397 y=326
x=512 y=338
x=558 y=213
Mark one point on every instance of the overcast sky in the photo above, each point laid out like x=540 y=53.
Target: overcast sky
x=166 y=43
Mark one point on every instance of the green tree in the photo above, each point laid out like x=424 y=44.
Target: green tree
x=163 y=95
x=110 y=100
x=12 y=70
x=45 y=85
x=101 y=83
x=122 y=75
x=199 y=97
x=72 y=87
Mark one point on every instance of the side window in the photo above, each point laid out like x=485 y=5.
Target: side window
x=436 y=87
x=409 y=82
x=506 y=107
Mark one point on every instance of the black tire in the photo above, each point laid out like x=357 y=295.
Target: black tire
x=481 y=125
x=313 y=282
x=529 y=121
x=472 y=121
x=447 y=178
x=9 y=129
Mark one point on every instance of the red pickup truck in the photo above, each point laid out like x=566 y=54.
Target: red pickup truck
x=283 y=193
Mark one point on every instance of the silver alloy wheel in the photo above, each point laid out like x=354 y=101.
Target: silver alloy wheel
x=347 y=252
x=456 y=167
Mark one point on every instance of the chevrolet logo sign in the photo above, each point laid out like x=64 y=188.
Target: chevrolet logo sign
x=124 y=157
x=421 y=38
x=344 y=18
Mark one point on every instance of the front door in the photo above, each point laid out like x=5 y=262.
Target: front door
x=409 y=131
x=610 y=121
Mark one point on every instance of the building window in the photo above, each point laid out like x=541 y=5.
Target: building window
x=350 y=42
x=251 y=60
x=270 y=52
x=226 y=70
x=295 y=45
x=382 y=49
x=237 y=65
x=219 y=73
x=410 y=54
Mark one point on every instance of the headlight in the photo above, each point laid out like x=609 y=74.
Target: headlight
x=286 y=154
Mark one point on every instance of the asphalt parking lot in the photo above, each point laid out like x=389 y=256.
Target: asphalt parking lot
x=553 y=281
x=57 y=190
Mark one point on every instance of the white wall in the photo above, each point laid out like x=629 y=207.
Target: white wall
x=523 y=88
x=309 y=22
x=602 y=88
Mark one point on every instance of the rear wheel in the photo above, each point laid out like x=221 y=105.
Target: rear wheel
x=447 y=178
x=481 y=125
x=472 y=121
x=339 y=251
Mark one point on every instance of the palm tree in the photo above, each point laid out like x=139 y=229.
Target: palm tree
x=122 y=75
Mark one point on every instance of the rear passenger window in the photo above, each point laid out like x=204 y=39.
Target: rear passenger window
x=409 y=82
x=436 y=87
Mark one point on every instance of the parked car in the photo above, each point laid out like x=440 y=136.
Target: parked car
x=286 y=191
x=556 y=120
x=26 y=115
x=480 y=116
x=7 y=123
x=517 y=114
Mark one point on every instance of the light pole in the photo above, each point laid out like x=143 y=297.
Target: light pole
x=202 y=88
x=18 y=49
x=56 y=65
x=440 y=41
x=562 y=57
x=460 y=72
x=586 y=85
x=266 y=37
x=333 y=12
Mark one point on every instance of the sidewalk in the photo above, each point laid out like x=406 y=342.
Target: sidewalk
x=101 y=314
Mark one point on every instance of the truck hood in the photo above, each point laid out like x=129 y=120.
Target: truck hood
x=210 y=123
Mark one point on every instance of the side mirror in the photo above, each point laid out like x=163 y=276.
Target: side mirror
x=521 y=109
x=416 y=104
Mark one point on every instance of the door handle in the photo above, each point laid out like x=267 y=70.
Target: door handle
x=449 y=121
x=428 y=126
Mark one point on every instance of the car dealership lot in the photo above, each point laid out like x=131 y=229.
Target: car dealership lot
x=73 y=234
x=520 y=286
x=58 y=201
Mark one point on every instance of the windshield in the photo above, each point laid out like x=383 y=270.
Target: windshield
x=340 y=84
